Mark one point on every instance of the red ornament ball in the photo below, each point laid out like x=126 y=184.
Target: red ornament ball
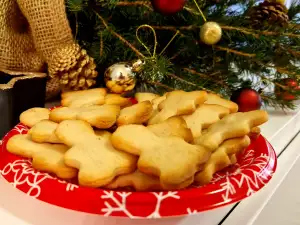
x=247 y=99
x=286 y=93
x=167 y=7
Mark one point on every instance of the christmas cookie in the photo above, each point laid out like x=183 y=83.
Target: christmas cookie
x=32 y=116
x=203 y=117
x=224 y=156
x=178 y=103
x=43 y=132
x=100 y=116
x=171 y=159
x=75 y=99
x=174 y=126
x=45 y=157
x=232 y=126
x=217 y=100
x=116 y=99
x=96 y=159
x=141 y=97
x=136 y=114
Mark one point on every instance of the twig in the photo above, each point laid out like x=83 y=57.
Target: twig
x=204 y=75
x=178 y=53
x=187 y=82
x=254 y=33
x=136 y=3
x=234 y=51
x=119 y=36
x=101 y=44
x=240 y=29
x=160 y=85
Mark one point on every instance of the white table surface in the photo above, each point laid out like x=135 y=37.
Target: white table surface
x=17 y=208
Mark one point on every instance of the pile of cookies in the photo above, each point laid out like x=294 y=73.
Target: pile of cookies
x=164 y=142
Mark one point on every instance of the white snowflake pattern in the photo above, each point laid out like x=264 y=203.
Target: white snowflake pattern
x=25 y=174
x=120 y=206
x=20 y=128
x=69 y=186
x=191 y=212
x=250 y=177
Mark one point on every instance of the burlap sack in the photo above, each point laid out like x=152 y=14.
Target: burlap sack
x=31 y=31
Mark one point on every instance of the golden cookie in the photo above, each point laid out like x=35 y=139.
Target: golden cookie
x=43 y=132
x=45 y=157
x=135 y=114
x=156 y=101
x=137 y=180
x=141 y=97
x=32 y=116
x=142 y=182
x=232 y=126
x=95 y=158
x=178 y=103
x=116 y=99
x=103 y=116
x=170 y=158
x=217 y=100
x=254 y=133
x=75 y=99
x=174 y=126
x=224 y=156
x=203 y=117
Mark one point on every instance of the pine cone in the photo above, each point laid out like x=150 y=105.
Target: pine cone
x=268 y=13
x=73 y=66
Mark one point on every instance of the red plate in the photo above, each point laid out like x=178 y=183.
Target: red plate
x=253 y=171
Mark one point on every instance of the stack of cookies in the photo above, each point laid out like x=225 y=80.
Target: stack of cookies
x=164 y=142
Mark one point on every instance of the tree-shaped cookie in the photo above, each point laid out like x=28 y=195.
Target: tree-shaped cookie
x=221 y=158
x=203 y=117
x=232 y=126
x=172 y=159
x=96 y=159
x=217 y=100
x=174 y=126
x=178 y=103
x=135 y=114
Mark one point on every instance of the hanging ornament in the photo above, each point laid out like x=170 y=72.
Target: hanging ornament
x=247 y=99
x=210 y=33
x=268 y=13
x=167 y=7
x=285 y=92
x=120 y=77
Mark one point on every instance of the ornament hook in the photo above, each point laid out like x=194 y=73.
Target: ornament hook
x=200 y=11
x=142 y=43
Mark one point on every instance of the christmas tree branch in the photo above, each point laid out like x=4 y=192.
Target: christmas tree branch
x=187 y=82
x=159 y=85
x=254 y=33
x=205 y=76
x=234 y=51
x=101 y=44
x=119 y=36
x=136 y=3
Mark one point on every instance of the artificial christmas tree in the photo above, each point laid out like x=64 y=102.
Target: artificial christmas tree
x=194 y=44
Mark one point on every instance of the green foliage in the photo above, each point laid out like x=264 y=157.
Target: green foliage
x=107 y=29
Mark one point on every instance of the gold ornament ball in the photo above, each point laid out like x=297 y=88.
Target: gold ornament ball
x=210 y=33
x=119 y=78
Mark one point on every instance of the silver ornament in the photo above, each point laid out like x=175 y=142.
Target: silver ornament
x=120 y=78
